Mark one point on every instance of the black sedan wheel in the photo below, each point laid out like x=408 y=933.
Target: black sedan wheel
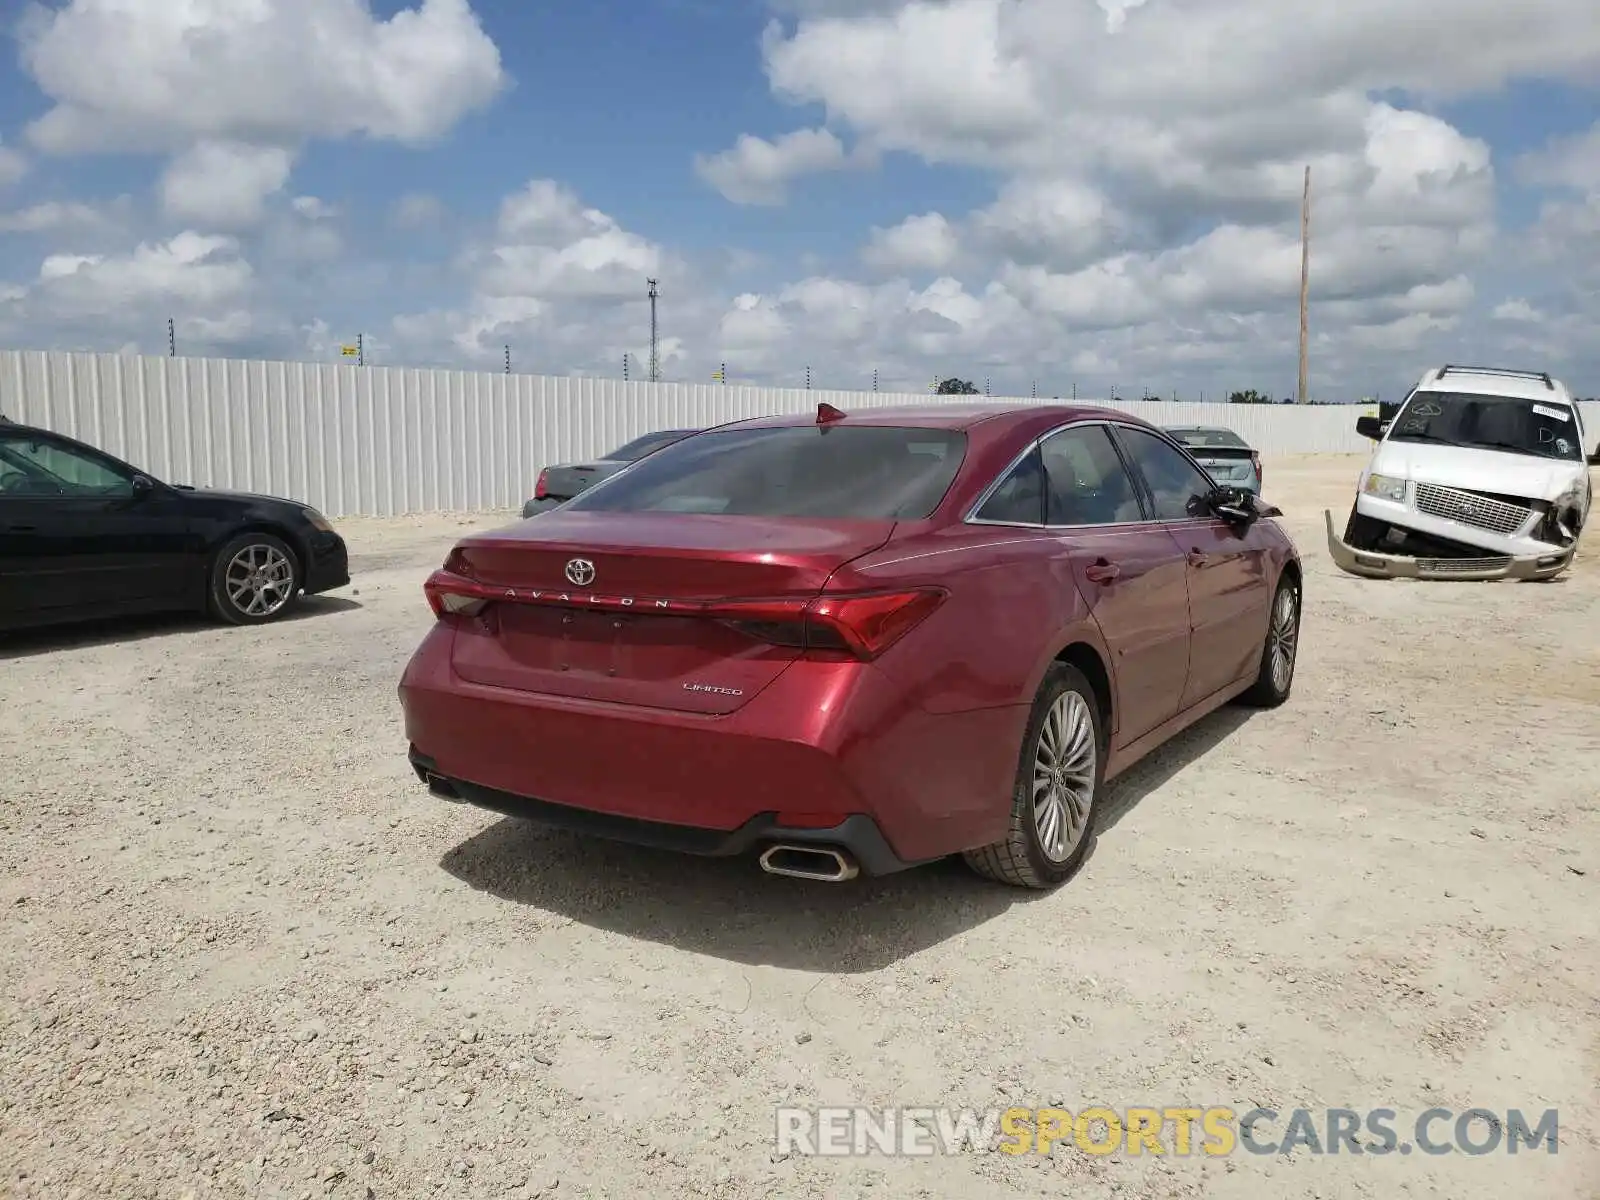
x=254 y=578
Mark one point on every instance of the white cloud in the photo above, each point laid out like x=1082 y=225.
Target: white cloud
x=161 y=74
x=1133 y=221
x=52 y=216
x=922 y=243
x=416 y=209
x=558 y=278
x=756 y=171
x=313 y=208
x=1516 y=309
x=223 y=184
x=13 y=166
x=1569 y=162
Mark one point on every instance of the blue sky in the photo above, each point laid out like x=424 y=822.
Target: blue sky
x=1010 y=188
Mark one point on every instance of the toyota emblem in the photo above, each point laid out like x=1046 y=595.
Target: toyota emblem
x=580 y=572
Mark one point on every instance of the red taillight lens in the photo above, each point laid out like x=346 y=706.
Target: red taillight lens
x=450 y=595
x=869 y=625
x=541 y=486
x=862 y=626
x=1255 y=461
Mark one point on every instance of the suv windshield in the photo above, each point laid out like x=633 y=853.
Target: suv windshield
x=1508 y=423
x=840 y=472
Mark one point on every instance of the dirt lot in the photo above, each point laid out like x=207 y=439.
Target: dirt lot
x=245 y=954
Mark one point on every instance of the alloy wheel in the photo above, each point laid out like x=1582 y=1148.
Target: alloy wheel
x=259 y=580
x=1284 y=637
x=1064 y=775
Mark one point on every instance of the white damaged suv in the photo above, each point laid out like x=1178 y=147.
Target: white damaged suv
x=1481 y=474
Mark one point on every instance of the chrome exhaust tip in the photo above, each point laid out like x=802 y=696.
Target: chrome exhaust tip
x=822 y=864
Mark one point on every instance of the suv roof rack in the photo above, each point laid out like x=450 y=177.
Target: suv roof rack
x=1543 y=376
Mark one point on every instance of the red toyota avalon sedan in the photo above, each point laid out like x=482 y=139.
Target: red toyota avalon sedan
x=855 y=642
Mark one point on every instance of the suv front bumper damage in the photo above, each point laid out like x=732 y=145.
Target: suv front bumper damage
x=1373 y=565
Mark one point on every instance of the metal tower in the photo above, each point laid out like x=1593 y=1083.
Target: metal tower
x=655 y=347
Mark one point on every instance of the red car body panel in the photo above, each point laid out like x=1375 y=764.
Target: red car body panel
x=616 y=700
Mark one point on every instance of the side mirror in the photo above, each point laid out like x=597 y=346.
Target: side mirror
x=143 y=485
x=1237 y=506
x=1594 y=459
x=1370 y=427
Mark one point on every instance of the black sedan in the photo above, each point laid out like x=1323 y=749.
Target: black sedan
x=557 y=485
x=84 y=535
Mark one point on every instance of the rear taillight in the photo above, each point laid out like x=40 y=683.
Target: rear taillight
x=541 y=486
x=862 y=626
x=1255 y=461
x=450 y=595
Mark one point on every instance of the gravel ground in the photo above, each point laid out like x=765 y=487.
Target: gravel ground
x=245 y=954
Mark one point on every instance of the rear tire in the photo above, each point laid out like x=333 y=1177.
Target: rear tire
x=1279 y=652
x=1055 y=802
x=254 y=579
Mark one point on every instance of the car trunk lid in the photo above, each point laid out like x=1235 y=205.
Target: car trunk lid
x=605 y=606
x=1234 y=465
x=566 y=481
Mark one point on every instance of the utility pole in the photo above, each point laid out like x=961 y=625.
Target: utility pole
x=172 y=339
x=808 y=379
x=624 y=366
x=985 y=385
x=361 y=349
x=874 y=378
x=508 y=359
x=655 y=347
x=1035 y=389
x=1305 y=278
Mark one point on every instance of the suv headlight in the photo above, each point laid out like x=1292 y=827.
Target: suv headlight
x=1387 y=486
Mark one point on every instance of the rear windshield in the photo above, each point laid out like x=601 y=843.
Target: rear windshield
x=1199 y=439
x=1482 y=422
x=841 y=472
x=641 y=446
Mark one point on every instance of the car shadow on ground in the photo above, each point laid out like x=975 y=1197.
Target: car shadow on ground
x=730 y=909
x=1124 y=793
x=25 y=643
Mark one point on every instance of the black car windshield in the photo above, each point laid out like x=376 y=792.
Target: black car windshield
x=1512 y=424
x=841 y=472
x=1199 y=439
x=640 y=446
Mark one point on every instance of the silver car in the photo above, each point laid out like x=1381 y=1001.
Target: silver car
x=1226 y=456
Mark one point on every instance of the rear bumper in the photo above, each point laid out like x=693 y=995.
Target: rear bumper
x=328 y=565
x=858 y=834
x=839 y=747
x=1372 y=565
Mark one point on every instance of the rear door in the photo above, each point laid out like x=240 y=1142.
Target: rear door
x=1229 y=587
x=601 y=595
x=1131 y=574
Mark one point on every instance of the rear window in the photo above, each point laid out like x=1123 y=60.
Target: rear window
x=641 y=446
x=839 y=472
x=1199 y=439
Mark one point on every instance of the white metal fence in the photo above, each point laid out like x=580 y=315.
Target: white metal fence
x=382 y=441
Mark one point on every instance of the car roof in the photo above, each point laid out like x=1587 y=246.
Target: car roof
x=1496 y=381
x=951 y=416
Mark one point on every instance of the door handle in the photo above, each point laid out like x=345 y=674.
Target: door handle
x=1101 y=571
